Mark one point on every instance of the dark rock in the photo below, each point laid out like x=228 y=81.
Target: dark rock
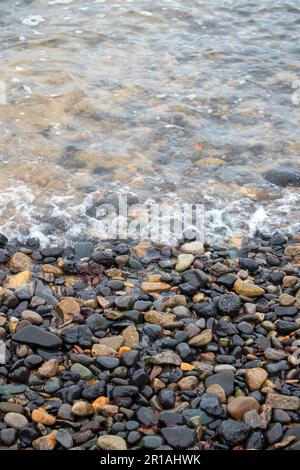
x=229 y=304
x=35 y=335
x=107 y=362
x=8 y=436
x=80 y=335
x=274 y=433
x=284 y=177
x=178 y=437
x=210 y=404
x=225 y=379
x=167 y=398
x=286 y=327
x=147 y=416
x=152 y=442
x=140 y=378
x=255 y=441
x=233 y=432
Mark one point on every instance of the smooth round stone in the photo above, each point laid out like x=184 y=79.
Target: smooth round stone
x=8 y=436
x=181 y=312
x=84 y=372
x=184 y=262
x=64 y=438
x=152 y=442
x=15 y=420
x=52 y=386
x=107 y=362
x=33 y=360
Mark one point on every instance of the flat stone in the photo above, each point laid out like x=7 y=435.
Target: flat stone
x=157 y=318
x=64 y=438
x=68 y=307
x=167 y=357
x=274 y=433
x=110 y=442
x=37 y=336
x=178 y=437
x=12 y=389
x=224 y=379
x=237 y=407
x=275 y=354
x=254 y=420
x=194 y=248
x=155 y=286
x=103 y=350
x=247 y=289
x=283 y=402
x=204 y=338
x=47 y=442
x=114 y=342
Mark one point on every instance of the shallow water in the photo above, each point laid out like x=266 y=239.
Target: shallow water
x=187 y=101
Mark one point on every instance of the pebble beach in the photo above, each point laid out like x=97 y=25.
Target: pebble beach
x=135 y=345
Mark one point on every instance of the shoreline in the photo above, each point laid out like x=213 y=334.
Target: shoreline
x=128 y=345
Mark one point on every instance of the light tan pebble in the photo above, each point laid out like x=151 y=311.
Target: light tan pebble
x=48 y=369
x=34 y=317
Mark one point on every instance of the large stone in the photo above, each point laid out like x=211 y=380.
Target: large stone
x=184 y=261
x=188 y=383
x=114 y=342
x=15 y=420
x=103 y=350
x=167 y=357
x=194 y=248
x=47 y=442
x=110 y=442
x=204 y=338
x=82 y=408
x=18 y=280
x=31 y=316
x=255 y=378
x=283 y=177
x=233 y=432
x=224 y=379
x=38 y=336
x=131 y=336
x=283 y=402
x=68 y=307
x=159 y=318
x=178 y=437
x=247 y=289
x=240 y=405
x=41 y=416
x=21 y=262
x=48 y=369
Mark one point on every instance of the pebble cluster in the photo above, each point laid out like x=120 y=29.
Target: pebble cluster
x=129 y=345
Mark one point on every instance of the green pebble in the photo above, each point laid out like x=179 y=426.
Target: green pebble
x=84 y=372
x=268 y=325
x=239 y=393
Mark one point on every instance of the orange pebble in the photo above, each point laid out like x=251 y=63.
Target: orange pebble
x=157 y=383
x=123 y=350
x=100 y=401
x=185 y=366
